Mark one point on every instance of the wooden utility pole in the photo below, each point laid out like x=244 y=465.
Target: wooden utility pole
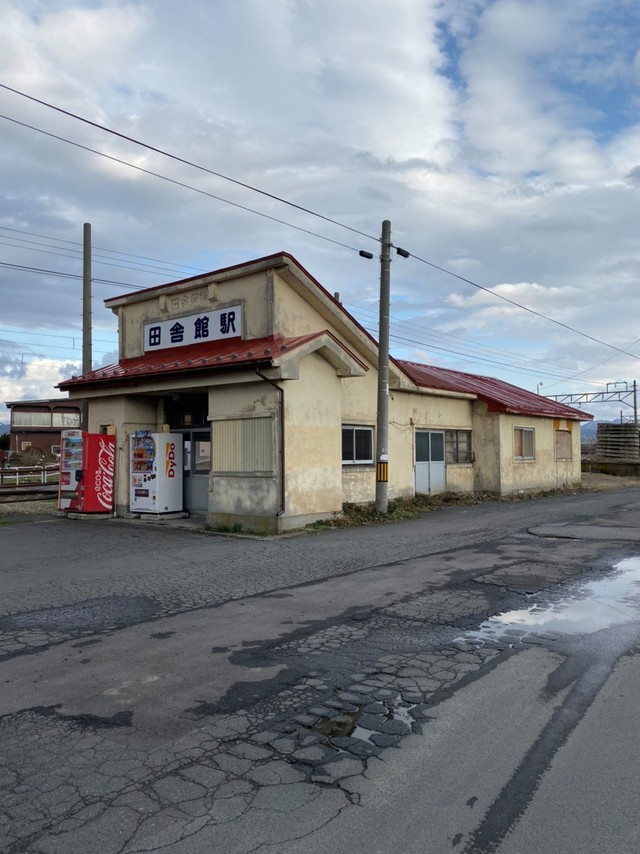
x=86 y=314
x=86 y=299
x=382 y=426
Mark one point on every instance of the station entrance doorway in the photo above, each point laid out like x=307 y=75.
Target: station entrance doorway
x=196 y=470
x=187 y=414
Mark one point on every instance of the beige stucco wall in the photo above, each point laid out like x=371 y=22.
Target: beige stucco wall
x=460 y=477
x=124 y=415
x=253 y=292
x=419 y=411
x=249 y=498
x=486 y=448
x=545 y=472
x=408 y=412
x=297 y=313
x=313 y=445
x=293 y=314
x=358 y=401
x=312 y=452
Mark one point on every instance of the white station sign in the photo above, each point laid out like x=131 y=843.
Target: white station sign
x=194 y=329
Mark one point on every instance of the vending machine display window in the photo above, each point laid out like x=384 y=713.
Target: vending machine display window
x=156 y=472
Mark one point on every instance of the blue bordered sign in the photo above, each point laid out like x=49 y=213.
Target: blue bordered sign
x=194 y=329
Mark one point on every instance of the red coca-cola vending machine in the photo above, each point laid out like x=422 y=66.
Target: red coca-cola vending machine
x=87 y=468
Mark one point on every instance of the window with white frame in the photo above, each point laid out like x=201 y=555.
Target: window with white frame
x=357 y=445
x=30 y=418
x=457 y=445
x=524 y=447
x=63 y=418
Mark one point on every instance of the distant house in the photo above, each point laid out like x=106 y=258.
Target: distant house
x=38 y=423
x=272 y=386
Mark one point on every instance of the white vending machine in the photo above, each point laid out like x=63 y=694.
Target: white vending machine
x=156 y=472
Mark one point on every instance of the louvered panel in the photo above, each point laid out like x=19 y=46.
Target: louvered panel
x=243 y=445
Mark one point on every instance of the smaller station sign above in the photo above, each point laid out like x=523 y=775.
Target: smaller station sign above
x=194 y=329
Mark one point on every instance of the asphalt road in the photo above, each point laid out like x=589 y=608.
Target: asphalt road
x=345 y=691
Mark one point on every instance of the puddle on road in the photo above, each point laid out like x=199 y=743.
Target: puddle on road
x=581 y=608
x=591 y=606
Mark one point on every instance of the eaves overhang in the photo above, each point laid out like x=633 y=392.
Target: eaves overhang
x=219 y=357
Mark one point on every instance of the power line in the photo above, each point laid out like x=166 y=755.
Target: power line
x=603 y=362
x=272 y=196
x=178 y=159
x=434 y=332
x=104 y=249
x=400 y=339
x=53 y=335
x=470 y=353
x=62 y=252
x=25 y=269
x=178 y=183
x=519 y=305
x=396 y=337
x=406 y=324
x=483 y=359
x=68 y=348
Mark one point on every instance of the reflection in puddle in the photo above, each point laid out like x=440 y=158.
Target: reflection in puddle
x=593 y=605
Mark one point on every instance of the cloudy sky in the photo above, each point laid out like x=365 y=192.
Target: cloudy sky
x=500 y=137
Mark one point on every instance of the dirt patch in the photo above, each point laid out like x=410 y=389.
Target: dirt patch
x=31 y=507
x=597 y=482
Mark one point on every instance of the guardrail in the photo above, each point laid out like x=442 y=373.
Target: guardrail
x=29 y=475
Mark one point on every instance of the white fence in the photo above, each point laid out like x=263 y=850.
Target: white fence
x=29 y=475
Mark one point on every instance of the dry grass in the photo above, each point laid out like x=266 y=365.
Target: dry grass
x=597 y=482
x=410 y=508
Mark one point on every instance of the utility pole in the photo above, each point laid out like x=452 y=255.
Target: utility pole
x=86 y=313
x=86 y=299
x=382 y=425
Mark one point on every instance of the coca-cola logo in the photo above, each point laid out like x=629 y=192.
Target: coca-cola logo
x=104 y=474
x=171 y=459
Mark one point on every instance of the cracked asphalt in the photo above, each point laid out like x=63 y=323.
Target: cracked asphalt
x=165 y=690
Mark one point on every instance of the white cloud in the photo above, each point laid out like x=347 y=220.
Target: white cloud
x=501 y=139
x=37 y=379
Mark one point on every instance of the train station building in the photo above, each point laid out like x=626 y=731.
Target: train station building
x=272 y=387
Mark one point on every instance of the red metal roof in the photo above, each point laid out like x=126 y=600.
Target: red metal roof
x=214 y=355
x=497 y=394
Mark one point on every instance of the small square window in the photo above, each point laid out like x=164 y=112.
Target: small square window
x=357 y=445
x=458 y=446
x=523 y=443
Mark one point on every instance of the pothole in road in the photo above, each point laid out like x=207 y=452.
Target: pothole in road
x=390 y=718
x=588 y=607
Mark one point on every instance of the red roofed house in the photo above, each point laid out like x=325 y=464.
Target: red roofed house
x=272 y=385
